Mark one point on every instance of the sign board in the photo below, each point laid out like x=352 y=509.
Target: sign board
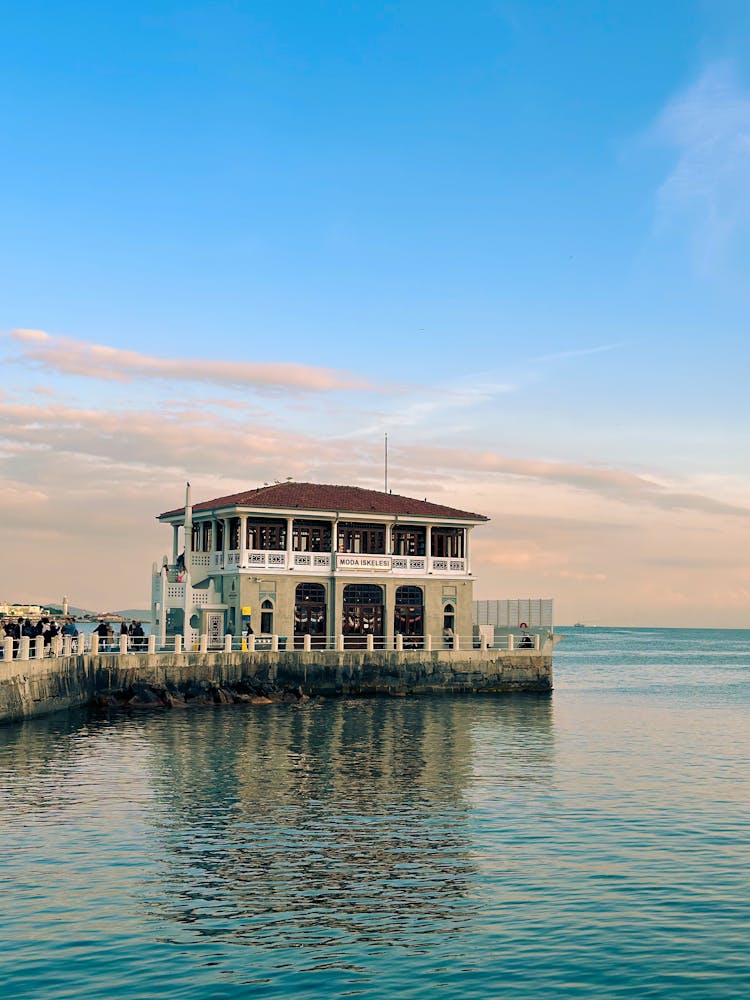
x=247 y=611
x=346 y=561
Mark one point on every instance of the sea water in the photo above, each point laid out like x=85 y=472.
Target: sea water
x=592 y=843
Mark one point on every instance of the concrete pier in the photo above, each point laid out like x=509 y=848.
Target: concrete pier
x=31 y=688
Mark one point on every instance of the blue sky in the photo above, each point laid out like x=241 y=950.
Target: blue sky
x=519 y=230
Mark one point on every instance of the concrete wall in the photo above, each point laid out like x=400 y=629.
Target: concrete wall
x=30 y=687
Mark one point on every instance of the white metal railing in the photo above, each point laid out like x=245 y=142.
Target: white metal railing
x=409 y=564
x=27 y=648
x=312 y=560
x=279 y=559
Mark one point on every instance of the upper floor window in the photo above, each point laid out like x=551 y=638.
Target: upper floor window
x=448 y=542
x=234 y=532
x=408 y=541
x=266 y=534
x=366 y=538
x=311 y=536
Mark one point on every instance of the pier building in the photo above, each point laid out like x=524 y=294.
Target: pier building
x=305 y=559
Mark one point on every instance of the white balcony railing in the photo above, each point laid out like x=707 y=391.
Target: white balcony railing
x=312 y=560
x=344 y=562
x=451 y=567
x=409 y=564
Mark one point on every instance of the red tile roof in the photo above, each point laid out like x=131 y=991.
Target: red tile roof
x=318 y=496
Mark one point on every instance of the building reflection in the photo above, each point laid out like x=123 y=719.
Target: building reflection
x=334 y=822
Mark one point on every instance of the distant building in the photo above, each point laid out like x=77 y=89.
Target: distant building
x=298 y=559
x=21 y=610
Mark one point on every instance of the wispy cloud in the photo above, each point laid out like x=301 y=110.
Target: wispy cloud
x=74 y=478
x=67 y=356
x=613 y=484
x=434 y=405
x=708 y=124
x=581 y=352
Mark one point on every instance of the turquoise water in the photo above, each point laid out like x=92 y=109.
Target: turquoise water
x=594 y=843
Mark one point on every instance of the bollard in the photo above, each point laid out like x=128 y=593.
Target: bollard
x=274 y=644
x=340 y=643
x=428 y=643
x=178 y=644
x=8 y=647
x=203 y=644
x=511 y=643
x=456 y=641
x=80 y=644
x=94 y=643
x=307 y=643
x=23 y=649
x=67 y=645
x=399 y=643
x=484 y=644
x=536 y=642
x=228 y=643
x=152 y=644
x=123 y=643
x=251 y=644
x=370 y=642
x=38 y=647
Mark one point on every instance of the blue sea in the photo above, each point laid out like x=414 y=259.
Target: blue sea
x=592 y=843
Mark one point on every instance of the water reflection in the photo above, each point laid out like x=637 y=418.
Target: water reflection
x=330 y=841
x=341 y=821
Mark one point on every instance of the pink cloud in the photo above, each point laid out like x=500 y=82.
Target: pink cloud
x=67 y=356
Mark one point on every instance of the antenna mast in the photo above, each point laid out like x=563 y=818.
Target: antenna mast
x=386 y=464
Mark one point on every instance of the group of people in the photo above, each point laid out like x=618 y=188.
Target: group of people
x=49 y=628
x=134 y=631
x=46 y=627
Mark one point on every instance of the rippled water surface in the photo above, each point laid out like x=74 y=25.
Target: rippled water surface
x=594 y=843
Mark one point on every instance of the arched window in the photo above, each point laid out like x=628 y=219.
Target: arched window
x=363 y=593
x=266 y=617
x=408 y=619
x=449 y=623
x=363 y=615
x=314 y=592
x=310 y=615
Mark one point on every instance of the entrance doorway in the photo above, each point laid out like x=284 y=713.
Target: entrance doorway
x=310 y=615
x=363 y=615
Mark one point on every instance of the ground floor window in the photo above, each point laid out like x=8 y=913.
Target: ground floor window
x=449 y=624
x=363 y=615
x=266 y=617
x=310 y=615
x=408 y=619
